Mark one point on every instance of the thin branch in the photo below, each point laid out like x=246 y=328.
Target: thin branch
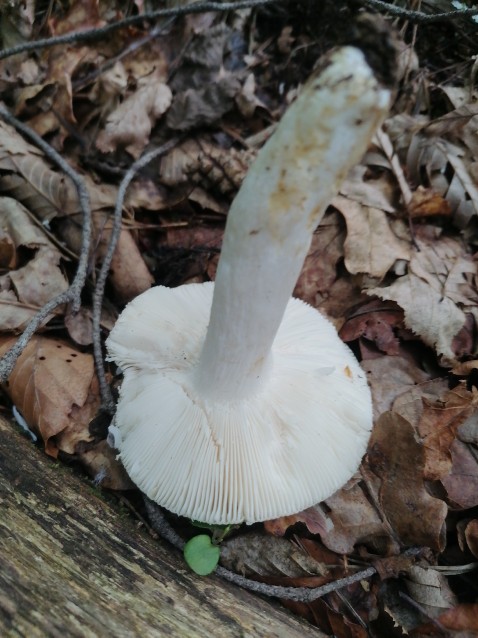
x=73 y=294
x=108 y=403
x=300 y=594
x=97 y=33
x=419 y=16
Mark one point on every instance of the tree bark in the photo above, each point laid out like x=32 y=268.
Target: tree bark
x=73 y=565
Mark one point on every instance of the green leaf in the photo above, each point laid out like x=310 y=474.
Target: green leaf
x=201 y=555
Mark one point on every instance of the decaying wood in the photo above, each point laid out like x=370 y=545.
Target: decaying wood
x=74 y=565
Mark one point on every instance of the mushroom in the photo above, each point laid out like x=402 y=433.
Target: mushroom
x=240 y=403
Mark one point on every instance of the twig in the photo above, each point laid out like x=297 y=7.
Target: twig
x=95 y=34
x=73 y=294
x=107 y=401
x=300 y=594
x=419 y=16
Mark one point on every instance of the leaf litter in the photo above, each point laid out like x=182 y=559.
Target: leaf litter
x=393 y=266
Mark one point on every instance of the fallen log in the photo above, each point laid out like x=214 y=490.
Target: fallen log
x=74 y=565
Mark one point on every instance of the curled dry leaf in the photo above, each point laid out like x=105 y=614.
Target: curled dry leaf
x=470 y=533
x=377 y=323
x=426 y=203
x=29 y=178
x=314 y=518
x=371 y=246
x=54 y=387
x=437 y=159
x=247 y=100
x=131 y=123
x=345 y=519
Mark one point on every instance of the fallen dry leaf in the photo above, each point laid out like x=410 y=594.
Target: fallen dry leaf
x=471 y=536
x=49 y=195
x=461 y=621
x=131 y=123
x=356 y=520
x=437 y=158
x=314 y=518
x=430 y=589
x=28 y=287
x=371 y=245
x=426 y=203
x=54 y=388
x=377 y=323
x=203 y=106
x=199 y=161
x=398 y=460
x=319 y=271
x=256 y=554
x=461 y=483
x=389 y=377
x=100 y=461
x=434 y=294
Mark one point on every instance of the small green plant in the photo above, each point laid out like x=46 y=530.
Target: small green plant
x=201 y=554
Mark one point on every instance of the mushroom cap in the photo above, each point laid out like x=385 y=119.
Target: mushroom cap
x=290 y=445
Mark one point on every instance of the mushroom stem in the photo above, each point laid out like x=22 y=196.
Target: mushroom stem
x=272 y=219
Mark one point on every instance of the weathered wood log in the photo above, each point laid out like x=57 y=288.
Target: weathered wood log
x=72 y=565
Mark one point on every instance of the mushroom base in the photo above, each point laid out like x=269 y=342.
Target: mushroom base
x=289 y=445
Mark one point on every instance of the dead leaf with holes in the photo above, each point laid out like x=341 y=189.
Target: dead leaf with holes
x=55 y=389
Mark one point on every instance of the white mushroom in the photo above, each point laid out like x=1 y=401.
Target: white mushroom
x=240 y=403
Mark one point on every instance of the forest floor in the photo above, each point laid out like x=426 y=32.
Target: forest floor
x=191 y=96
